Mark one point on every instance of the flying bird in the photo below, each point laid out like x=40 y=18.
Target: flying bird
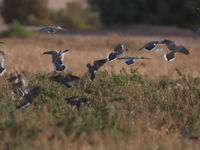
x=131 y=60
x=150 y=46
x=2 y=69
x=19 y=83
x=75 y=101
x=57 y=59
x=30 y=95
x=51 y=29
x=118 y=50
x=93 y=68
x=64 y=79
x=174 y=49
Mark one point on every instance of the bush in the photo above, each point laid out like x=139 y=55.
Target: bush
x=34 y=12
x=18 y=30
x=74 y=16
x=179 y=12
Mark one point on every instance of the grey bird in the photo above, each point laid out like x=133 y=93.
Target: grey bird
x=75 y=101
x=30 y=95
x=93 y=68
x=118 y=50
x=188 y=135
x=174 y=49
x=150 y=46
x=18 y=83
x=2 y=69
x=57 y=59
x=64 y=79
x=51 y=29
x=131 y=60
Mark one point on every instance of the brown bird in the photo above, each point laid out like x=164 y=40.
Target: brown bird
x=174 y=49
x=96 y=65
x=75 y=101
x=30 y=95
x=18 y=83
x=64 y=80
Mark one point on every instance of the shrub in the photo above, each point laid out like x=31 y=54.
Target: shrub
x=74 y=16
x=33 y=12
x=18 y=30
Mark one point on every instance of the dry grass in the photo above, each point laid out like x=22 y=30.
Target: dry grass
x=128 y=111
x=26 y=54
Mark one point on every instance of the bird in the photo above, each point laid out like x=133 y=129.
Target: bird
x=93 y=68
x=150 y=46
x=19 y=83
x=2 y=69
x=75 y=101
x=57 y=59
x=118 y=50
x=64 y=79
x=51 y=29
x=174 y=49
x=30 y=94
x=187 y=134
x=131 y=60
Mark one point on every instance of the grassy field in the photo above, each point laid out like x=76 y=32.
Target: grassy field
x=143 y=107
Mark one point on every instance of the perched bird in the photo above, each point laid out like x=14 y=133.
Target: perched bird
x=187 y=134
x=19 y=83
x=2 y=69
x=150 y=46
x=51 y=29
x=118 y=50
x=30 y=94
x=57 y=59
x=174 y=48
x=96 y=65
x=64 y=80
x=75 y=101
x=131 y=60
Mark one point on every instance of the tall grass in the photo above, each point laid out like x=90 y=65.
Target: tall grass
x=125 y=111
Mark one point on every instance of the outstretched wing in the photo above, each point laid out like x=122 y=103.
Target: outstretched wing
x=70 y=78
x=44 y=29
x=62 y=54
x=141 y=58
x=170 y=45
x=57 y=78
x=125 y=58
x=2 y=58
x=183 y=50
x=99 y=63
x=50 y=52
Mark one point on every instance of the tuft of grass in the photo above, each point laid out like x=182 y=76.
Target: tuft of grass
x=18 y=30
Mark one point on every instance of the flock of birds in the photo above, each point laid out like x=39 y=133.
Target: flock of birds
x=20 y=88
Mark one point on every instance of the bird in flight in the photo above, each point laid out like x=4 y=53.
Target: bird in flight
x=118 y=50
x=93 y=68
x=174 y=49
x=51 y=29
x=150 y=46
x=18 y=83
x=2 y=69
x=57 y=59
x=30 y=95
x=64 y=79
x=131 y=60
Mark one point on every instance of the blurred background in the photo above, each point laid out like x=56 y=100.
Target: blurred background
x=94 y=14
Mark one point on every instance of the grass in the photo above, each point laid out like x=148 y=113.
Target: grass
x=127 y=110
